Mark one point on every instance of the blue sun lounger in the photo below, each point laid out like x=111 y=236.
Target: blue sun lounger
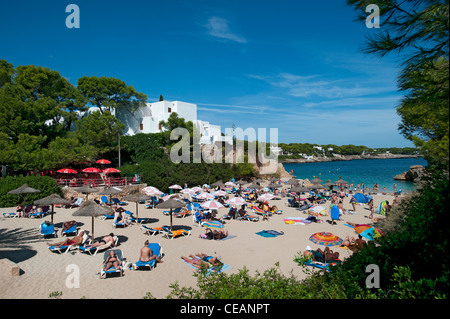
x=104 y=273
x=156 y=250
x=47 y=230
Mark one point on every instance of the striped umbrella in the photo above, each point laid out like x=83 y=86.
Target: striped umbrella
x=326 y=239
x=220 y=193
x=213 y=224
x=211 y=204
x=265 y=197
x=236 y=201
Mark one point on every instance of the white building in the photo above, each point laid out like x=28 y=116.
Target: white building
x=147 y=118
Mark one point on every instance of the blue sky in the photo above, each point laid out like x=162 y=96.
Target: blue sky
x=289 y=64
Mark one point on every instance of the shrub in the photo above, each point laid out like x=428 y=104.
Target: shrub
x=45 y=184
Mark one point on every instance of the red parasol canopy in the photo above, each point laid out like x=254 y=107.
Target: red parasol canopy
x=92 y=170
x=111 y=170
x=102 y=161
x=67 y=171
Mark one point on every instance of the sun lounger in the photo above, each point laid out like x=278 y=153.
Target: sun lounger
x=104 y=200
x=250 y=218
x=94 y=250
x=171 y=234
x=211 y=269
x=151 y=230
x=112 y=270
x=45 y=211
x=69 y=227
x=118 y=202
x=156 y=250
x=47 y=229
x=77 y=203
x=66 y=248
x=324 y=266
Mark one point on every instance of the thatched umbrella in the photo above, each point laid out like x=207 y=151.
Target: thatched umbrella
x=53 y=199
x=136 y=197
x=86 y=190
x=299 y=189
x=170 y=204
x=340 y=181
x=24 y=190
x=314 y=186
x=111 y=191
x=91 y=208
x=316 y=180
x=273 y=185
x=329 y=183
x=218 y=183
x=293 y=181
x=254 y=185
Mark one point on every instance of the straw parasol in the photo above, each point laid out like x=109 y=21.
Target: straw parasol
x=136 y=197
x=24 y=190
x=170 y=204
x=91 y=208
x=273 y=185
x=254 y=185
x=340 y=181
x=329 y=183
x=315 y=186
x=218 y=183
x=299 y=189
x=293 y=181
x=316 y=180
x=86 y=190
x=53 y=199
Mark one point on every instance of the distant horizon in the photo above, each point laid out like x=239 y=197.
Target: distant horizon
x=296 y=66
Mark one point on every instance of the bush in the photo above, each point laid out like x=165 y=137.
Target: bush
x=45 y=184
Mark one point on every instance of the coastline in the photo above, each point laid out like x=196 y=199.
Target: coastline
x=346 y=158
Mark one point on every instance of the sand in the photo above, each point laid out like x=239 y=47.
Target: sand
x=44 y=272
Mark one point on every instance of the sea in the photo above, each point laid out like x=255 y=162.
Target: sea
x=367 y=171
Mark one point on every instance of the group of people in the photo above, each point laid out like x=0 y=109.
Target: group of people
x=26 y=211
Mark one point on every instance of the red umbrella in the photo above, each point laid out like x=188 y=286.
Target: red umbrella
x=103 y=161
x=67 y=171
x=92 y=170
x=111 y=170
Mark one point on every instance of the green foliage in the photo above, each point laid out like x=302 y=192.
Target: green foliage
x=45 y=184
x=269 y=284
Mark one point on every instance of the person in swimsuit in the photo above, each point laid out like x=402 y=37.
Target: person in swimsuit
x=103 y=241
x=147 y=255
x=77 y=240
x=111 y=261
x=202 y=261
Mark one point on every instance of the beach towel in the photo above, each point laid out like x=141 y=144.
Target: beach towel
x=334 y=212
x=296 y=221
x=269 y=233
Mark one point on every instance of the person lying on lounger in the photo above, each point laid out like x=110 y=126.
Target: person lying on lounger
x=202 y=261
x=103 y=241
x=77 y=240
x=111 y=261
x=147 y=255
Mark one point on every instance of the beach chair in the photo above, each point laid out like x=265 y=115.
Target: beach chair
x=231 y=214
x=76 y=203
x=174 y=211
x=134 y=219
x=69 y=227
x=94 y=250
x=171 y=234
x=115 y=200
x=45 y=211
x=47 y=229
x=156 y=250
x=104 y=200
x=151 y=230
x=64 y=249
x=104 y=217
x=104 y=273
x=183 y=213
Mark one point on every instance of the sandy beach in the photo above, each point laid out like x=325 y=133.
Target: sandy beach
x=44 y=272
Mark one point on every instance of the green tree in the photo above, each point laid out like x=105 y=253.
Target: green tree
x=418 y=31
x=110 y=94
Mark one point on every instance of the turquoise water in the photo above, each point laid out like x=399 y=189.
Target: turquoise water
x=367 y=171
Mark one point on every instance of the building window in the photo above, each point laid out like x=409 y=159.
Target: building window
x=169 y=110
x=141 y=126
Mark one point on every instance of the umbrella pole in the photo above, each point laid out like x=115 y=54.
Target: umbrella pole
x=137 y=212
x=92 y=228
x=52 y=213
x=171 y=219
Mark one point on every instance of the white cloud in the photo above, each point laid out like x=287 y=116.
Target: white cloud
x=219 y=28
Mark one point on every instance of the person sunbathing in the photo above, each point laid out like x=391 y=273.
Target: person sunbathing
x=120 y=219
x=220 y=234
x=147 y=255
x=112 y=261
x=105 y=240
x=321 y=256
x=77 y=240
x=202 y=261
